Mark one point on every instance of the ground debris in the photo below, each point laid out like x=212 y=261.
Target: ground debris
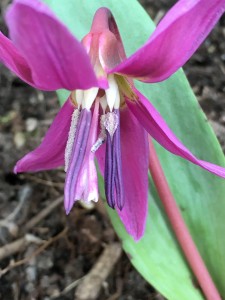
x=90 y=286
x=27 y=259
x=18 y=245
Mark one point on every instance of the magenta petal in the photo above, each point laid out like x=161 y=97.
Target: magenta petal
x=50 y=153
x=134 y=148
x=174 y=41
x=154 y=124
x=13 y=60
x=57 y=59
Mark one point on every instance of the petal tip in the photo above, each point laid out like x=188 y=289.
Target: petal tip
x=18 y=168
x=67 y=207
x=15 y=169
x=138 y=237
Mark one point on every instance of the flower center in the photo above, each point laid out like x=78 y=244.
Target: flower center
x=83 y=142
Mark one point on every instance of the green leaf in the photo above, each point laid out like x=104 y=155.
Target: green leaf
x=200 y=195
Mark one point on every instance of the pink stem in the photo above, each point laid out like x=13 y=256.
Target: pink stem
x=181 y=231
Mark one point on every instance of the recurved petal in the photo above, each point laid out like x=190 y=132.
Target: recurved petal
x=13 y=60
x=134 y=148
x=50 y=153
x=154 y=124
x=56 y=58
x=174 y=41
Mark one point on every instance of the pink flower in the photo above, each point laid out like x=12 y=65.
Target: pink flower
x=105 y=115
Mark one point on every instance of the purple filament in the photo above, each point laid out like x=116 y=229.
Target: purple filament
x=109 y=171
x=113 y=169
x=78 y=152
x=118 y=164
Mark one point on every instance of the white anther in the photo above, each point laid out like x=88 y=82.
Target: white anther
x=89 y=97
x=111 y=123
x=79 y=94
x=112 y=93
x=71 y=137
x=103 y=103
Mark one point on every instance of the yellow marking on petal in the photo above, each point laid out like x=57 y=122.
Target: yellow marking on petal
x=126 y=87
x=73 y=98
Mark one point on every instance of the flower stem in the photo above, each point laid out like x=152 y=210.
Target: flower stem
x=181 y=231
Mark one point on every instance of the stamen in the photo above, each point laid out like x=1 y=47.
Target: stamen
x=71 y=137
x=109 y=173
x=77 y=156
x=118 y=161
x=113 y=168
x=111 y=122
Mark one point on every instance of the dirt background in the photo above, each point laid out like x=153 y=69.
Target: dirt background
x=53 y=252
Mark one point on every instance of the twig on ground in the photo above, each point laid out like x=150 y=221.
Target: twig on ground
x=44 y=182
x=90 y=286
x=117 y=294
x=13 y=265
x=16 y=217
x=18 y=245
x=24 y=193
x=43 y=214
x=67 y=289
